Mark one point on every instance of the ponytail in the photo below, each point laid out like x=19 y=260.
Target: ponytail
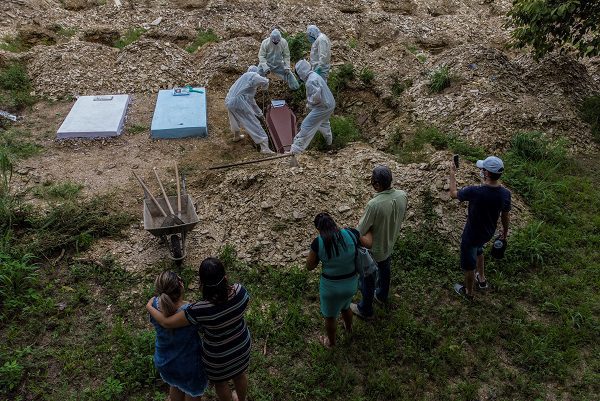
x=168 y=286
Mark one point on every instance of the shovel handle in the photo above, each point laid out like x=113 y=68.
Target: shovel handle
x=163 y=191
x=178 y=192
x=146 y=190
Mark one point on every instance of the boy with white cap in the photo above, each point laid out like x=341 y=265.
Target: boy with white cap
x=487 y=202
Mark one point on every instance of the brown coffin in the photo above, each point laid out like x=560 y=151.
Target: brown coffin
x=281 y=122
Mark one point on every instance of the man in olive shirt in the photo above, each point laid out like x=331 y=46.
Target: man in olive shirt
x=380 y=227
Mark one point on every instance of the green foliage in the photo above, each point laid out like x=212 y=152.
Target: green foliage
x=64 y=31
x=18 y=277
x=344 y=131
x=353 y=42
x=412 y=149
x=545 y=25
x=299 y=46
x=15 y=87
x=439 y=79
x=422 y=57
x=60 y=191
x=202 y=37
x=137 y=129
x=12 y=142
x=129 y=37
x=590 y=113
x=400 y=85
x=10 y=376
x=340 y=78
x=367 y=76
x=13 y=44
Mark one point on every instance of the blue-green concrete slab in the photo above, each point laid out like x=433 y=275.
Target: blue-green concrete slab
x=179 y=116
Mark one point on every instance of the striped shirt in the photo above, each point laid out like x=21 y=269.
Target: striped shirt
x=226 y=345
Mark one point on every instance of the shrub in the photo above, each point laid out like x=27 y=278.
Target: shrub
x=15 y=87
x=202 y=37
x=400 y=85
x=367 y=76
x=344 y=131
x=130 y=36
x=298 y=44
x=13 y=44
x=10 y=375
x=439 y=79
x=340 y=78
x=590 y=113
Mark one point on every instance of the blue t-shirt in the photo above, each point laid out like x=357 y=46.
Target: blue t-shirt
x=485 y=204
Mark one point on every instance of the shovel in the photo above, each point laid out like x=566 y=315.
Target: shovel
x=171 y=219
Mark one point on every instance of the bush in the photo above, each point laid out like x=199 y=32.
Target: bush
x=15 y=87
x=130 y=36
x=590 y=113
x=299 y=46
x=202 y=37
x=340 y=78
x=367 y=76
x=439 y=79
x=344 y=131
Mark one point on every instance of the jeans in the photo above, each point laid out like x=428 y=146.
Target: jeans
x=368 y=290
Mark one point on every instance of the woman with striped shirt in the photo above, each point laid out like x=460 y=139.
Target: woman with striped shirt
x=220 y=318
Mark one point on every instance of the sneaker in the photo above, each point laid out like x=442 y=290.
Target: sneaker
x=462 y=291
x=481 y=285
x=357 y=312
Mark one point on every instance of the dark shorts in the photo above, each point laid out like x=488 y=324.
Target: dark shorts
x=468 y=255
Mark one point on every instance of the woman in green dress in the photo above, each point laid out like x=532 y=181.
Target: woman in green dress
x=335 y=249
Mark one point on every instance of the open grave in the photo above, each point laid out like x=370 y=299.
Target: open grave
x=95 y=117
x=180 y=114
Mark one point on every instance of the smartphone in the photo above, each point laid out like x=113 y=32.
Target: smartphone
x=456 y=161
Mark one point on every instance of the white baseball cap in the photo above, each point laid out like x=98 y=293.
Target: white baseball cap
x=492 y=164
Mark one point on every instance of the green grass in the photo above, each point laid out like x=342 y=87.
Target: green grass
x=61 y=191
x=299 y=46
x=340 y=77
x=202 y=37
x=137 y=129
x=13 y=44
x=129 y=37
x=352 y=43
x=367 y=76
x=76 y=329
x=15 y=87
x=413 y=149
x=400 y=85
x=344 y=131
x=590 y=113
x=439 y=79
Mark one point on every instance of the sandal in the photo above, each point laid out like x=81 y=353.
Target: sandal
x=481 y=285
x=324 y=340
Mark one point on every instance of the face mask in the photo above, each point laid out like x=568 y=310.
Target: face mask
x=275 y=42
x=311 y=39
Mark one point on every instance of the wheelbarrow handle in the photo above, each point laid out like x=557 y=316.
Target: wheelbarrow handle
x=178 y=192
x=146 y=190
x=163 y=191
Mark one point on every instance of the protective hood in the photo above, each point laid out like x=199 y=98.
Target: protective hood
x=303 y=69
x=275 y=36
x=312 y=32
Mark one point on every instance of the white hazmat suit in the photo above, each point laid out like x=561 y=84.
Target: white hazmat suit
x=274 y=56
x=320 y=102
x=320 y=51
x=243 y=110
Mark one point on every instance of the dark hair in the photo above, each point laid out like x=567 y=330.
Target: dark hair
x=168 y=287
x=213 y=282
x=494 y=176
x=330 y=233
x=382 y=175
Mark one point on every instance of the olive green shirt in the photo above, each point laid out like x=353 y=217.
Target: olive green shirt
x=383 y=216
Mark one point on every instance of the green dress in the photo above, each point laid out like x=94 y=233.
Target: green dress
x=339 y=285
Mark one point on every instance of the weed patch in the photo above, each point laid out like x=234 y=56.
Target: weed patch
x=60 y=191
x=15 y=87
x=367 y=76
x=344 y=131
x=411 y=150
x=202 y=37
x=340 y=78
x=400 y=85
x=13 y=44
x=439 y=79
x=129 y=37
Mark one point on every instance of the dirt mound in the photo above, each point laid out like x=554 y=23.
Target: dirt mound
x=492 y=97
x=105 y=35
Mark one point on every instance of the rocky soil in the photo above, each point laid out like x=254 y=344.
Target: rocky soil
x=266 y=210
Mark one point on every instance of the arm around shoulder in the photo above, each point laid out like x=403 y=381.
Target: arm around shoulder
x=172 y=322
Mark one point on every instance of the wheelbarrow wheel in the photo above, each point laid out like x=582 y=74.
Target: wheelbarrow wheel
x=176 y=249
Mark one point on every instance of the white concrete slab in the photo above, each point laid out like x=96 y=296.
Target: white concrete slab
x=95 y=117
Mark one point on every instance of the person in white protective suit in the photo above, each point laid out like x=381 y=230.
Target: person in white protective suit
x=320 y=51
x=320 y=102
x=243 y=110
x=274 y=56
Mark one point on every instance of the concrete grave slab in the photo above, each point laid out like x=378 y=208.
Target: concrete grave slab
x=95 y=117
x=180 y=116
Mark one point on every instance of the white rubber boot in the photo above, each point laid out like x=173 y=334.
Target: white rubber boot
x=237 y=136
x=264 y=148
